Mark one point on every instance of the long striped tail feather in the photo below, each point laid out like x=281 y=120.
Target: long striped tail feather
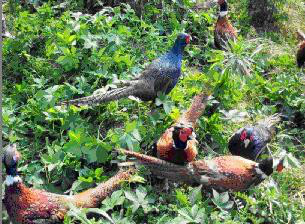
x=160 y=167
x=271 y=121
x=196 y=109
x=95 y=99
x=301 y=35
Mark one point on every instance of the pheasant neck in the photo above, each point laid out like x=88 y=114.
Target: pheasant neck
x=178 y=48
x=178 y=144
x=266 y=166
x=223 y=9
x=12 y=180
x=223 y=14
x=12 y=176
x=224 y=6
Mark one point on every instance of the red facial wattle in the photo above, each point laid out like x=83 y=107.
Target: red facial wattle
x=280 y=167
x=251 y=138
x=183 y=137
x=243 y=135
x=188 y=39
x=184 y=134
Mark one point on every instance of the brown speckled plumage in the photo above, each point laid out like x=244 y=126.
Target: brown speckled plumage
x=301 y=50
x=224 y=31
x=195 y=110
x=25 y=205
x=221 y=173
x=165 y=147
x=29 y=206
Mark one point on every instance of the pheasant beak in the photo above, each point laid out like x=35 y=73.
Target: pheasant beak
x=17 y=157
x=246 y=142
x=185 y=133
x=193 y=136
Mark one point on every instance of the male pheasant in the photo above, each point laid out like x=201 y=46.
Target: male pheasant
x=161 y=75
x=301 y=50
x=221 y=173
x=250 y=141
x=178 y=143
x=28 y=206
x=224 y=31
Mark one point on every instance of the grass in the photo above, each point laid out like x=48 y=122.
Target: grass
x=58 y=55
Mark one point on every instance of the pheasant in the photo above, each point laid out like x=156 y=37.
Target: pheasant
x=224 y=31
x=178 y=143
x=223 y=173
x=5 y=32
x=250 y=141
x=28 y=206
x=301 y=50
x=161 y=75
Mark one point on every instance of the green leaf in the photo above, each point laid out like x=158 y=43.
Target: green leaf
x=115 y=199
x=222 y=201
x=141 y=193
x=84 y=179
x=195 y=195
x=98 y=172
x=292 y=160
x=101 y=212
x=184 y=212
x=136 y=135
x=128 y=140
x=158 y=102
x=182 y=198
x=131 y=126
x=167 y=107
x=90 y=154
x=130 y=196
x=215 y=195
x=124 y=30
x=101 y=155
x=74 y=148
x=179 y=220
x=75 y=136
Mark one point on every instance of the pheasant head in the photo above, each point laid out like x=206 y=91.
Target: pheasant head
x=223 y=7
x=10 y=160
x=182 y=40
x=181 y=134
x=269 y=165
